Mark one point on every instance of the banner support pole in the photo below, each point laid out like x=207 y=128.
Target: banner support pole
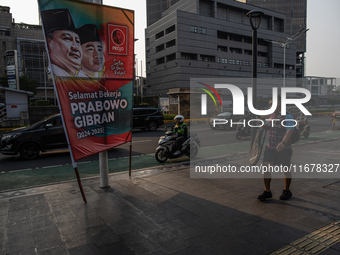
x=80 y=185
x=130 y=159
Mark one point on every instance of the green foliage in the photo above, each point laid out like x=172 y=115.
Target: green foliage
x=4 y=80
x=169 y=116
x=42 y=103
x=28 y=84
x=24 y=82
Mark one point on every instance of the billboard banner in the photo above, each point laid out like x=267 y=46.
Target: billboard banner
x=91 y=54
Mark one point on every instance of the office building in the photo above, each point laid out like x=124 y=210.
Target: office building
x=199 y=38
x=155 y=8
x=29 y=42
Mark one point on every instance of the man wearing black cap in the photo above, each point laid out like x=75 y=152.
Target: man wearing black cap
x=92 y=47
x=63 y=43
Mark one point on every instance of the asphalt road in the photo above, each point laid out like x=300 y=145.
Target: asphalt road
x=144 y=142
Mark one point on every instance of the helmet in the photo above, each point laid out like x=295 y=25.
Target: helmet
x=180 y=118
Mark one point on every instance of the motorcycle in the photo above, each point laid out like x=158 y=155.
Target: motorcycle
x=167 y=147
x=242 y=131
x=302 y=125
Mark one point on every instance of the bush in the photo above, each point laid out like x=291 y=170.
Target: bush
x=169 y=116
x=42 y=103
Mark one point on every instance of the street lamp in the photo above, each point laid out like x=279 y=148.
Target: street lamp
x=284 y=42
x=255 y=20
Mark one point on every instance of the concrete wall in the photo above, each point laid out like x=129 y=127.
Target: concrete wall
x=15 y=104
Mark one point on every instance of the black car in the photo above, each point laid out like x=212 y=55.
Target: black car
x=223 y=117
x=45 y=135
x=147 y=118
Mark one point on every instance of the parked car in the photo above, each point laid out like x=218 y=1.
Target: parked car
x=147 y=118
x=225 y=116
x=45 y=135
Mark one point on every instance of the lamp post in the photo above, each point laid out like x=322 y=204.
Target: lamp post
x=284 y=42
x=255 y=20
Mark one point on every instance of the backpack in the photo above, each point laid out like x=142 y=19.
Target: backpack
x=295 y=136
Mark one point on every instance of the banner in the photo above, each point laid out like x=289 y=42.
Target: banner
x=91 y=54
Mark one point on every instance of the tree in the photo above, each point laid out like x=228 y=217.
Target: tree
x=4 y=80
x=25 y=83
x=28 y=84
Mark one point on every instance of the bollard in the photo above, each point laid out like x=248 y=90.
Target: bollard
x=104 y=170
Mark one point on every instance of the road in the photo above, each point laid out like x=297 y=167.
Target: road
x=144 y=142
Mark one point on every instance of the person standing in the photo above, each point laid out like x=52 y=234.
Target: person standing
x=278 y=151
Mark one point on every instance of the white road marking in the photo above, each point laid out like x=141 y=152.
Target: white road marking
x=51 y=166
x=141 y=141
x=21 y=170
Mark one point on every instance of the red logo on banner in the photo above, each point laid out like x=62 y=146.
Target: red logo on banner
x=118 y=39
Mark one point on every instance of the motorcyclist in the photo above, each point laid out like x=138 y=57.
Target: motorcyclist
x=181 y=130
x=302 y=119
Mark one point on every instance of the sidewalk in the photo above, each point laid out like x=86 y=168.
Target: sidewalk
x=162 y=211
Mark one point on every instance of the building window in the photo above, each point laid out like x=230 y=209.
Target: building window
x=203 y=30
x=278 y=25
x=235 y=50
x=218 y=60
x=315 y=89
x=247 y=39
x=224 y=61
x=262 y=54
x=159 y=35
x=246 y=63
x=188 y=56
x=238 y=62
x=171 y=57
x=232 y=61
x=193 y=29
x=263 y=42
x=248 y=52
x=259 y=64
x=160 y=61
x=265 y=65
x=222 y=35
x=222 y=48
x=171 y=43
x=5 y=32
x=278 y=66
x=207 y=58
x=160 y=47
x=170 y=29
x=236 y=38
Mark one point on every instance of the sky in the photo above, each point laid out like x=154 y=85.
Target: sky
x=323 y=36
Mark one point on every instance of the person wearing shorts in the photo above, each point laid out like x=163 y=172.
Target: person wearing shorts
x=278 y=151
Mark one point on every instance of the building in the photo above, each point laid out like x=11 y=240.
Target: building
x=296 y=19
x=29 y=42
x=200 y=38
x=155 y=8
x=322 y=90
